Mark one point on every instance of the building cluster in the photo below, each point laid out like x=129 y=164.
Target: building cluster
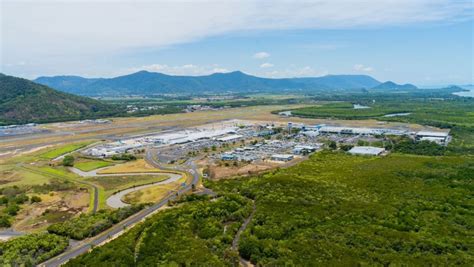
x=439 y=137
x=227 y=130
x=275 y=150
x=179 y=143
x=193 y=108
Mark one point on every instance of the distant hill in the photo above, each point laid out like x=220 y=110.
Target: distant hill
x=73 y=84
x=149 y=83
x=393 y=86
x=23 y=101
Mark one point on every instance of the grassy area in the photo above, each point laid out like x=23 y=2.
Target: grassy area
x=153 y=194
x=136 y=166
x=15 y=176
x=115 y=183
x=59 y=151
x=89 y=165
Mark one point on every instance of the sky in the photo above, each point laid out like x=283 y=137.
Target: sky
x=425 y=42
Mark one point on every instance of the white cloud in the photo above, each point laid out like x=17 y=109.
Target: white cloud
x=261 y=55
x=56 y=33
x=266 y=65
x=361 y=67
x=32 y=26
x=294 y=71
x=187 y=69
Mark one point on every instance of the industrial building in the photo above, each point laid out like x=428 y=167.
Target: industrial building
x=282 y=157
x=302 y=149
x=230 y=138
x=367 y=150
x=441 y=138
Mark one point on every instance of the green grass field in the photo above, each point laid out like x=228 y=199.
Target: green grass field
x=61 y=150
x=89 y=165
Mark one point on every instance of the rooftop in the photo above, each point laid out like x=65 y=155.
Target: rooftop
x=366 y=150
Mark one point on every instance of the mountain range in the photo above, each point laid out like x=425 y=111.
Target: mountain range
x=151 y=83
x=23 y=101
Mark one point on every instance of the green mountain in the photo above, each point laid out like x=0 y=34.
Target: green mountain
x=394 y=86
x=23 y=101
x=151 y=83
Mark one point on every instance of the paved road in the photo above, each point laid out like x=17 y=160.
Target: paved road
x=94 y=173
x=129 y=222
x=9 y=233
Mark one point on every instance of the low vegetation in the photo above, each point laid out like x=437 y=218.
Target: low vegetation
x=126 y=157
x=90 y=165
x=31 y=249
x=59 y=151
x=199 y=232
x=87 y=225
x=333 y=209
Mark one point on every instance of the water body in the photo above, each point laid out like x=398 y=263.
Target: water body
x=466 y=93
x=358 y=106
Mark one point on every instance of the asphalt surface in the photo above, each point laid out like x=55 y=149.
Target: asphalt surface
x=130 y=221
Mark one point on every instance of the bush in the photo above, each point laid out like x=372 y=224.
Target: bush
x=12 y=209
x=87 y=225
x=68 y=161
x=30 y=250
x=126 y=157
x=35 y=199
x=5 y=221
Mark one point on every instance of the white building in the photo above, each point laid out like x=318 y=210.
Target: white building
x=441 y=138
x=367 y=150
x=229 y=138
x=282 y=157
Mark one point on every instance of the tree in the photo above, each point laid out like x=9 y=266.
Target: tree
x=68 y=161
x=332 y=145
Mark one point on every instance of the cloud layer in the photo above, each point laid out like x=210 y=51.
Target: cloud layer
x=73 y=32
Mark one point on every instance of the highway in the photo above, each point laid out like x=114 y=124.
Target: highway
x=120 y=227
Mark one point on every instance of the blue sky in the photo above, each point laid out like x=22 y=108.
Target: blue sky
x=427 y=43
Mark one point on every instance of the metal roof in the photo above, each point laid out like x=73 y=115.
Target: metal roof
x=366 y=150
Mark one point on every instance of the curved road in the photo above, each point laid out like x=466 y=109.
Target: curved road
x=115 y=200
x=119 y=228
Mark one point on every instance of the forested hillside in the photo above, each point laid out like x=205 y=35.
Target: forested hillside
x=23 y=101
x=152 y=83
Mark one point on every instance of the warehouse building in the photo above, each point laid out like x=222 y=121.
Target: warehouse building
x=367 y=150
x=282 y=157
x=441 y=138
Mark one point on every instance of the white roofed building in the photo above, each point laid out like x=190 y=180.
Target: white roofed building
x=367 y=150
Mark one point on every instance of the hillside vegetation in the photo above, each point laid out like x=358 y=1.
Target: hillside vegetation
x=151 y=83
x=332 y=210
x=23 y=101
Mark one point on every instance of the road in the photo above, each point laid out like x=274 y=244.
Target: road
x=9 y=233
x=120 y=227
x=115 y=200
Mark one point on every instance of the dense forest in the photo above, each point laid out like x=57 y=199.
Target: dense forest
x=23 y=101
x=197 y=232
x=30 y=250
